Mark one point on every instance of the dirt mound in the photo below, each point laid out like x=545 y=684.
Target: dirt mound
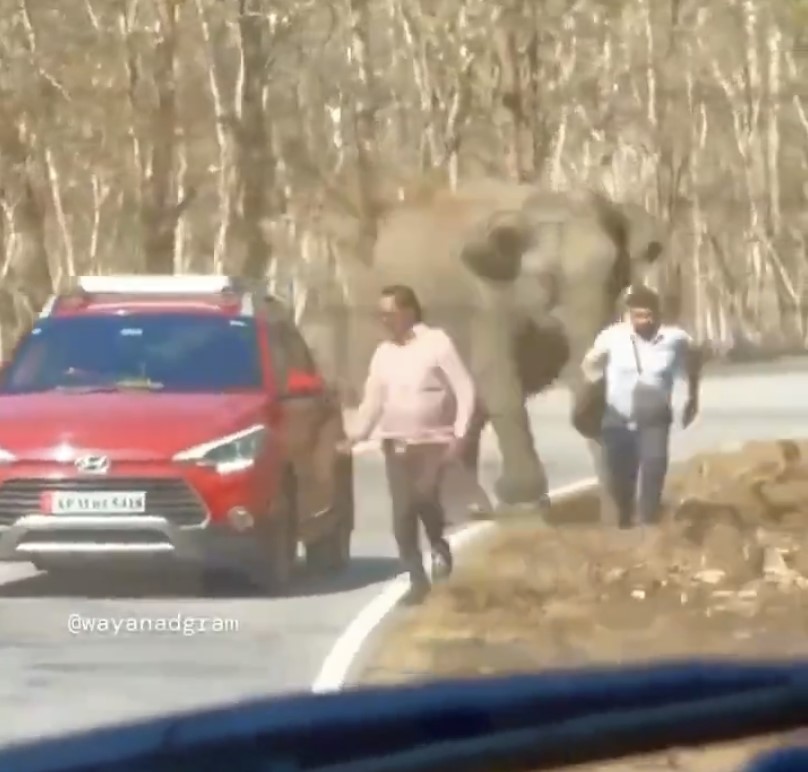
x=725 y=573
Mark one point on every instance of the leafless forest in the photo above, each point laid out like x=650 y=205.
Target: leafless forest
x=267 y=137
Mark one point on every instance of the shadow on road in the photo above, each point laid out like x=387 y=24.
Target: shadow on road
x=362 y=573
x=106 y=584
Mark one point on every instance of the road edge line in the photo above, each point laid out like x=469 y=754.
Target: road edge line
x=335 y=670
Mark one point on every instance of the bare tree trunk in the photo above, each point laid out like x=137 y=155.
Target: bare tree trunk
x=699 y=127
x=46 y=93
x=100 y=195
x=180 y=225
x=540 y=138
x=159 y=208
x=661 y=107
x=364 y=113
x=461 y=102
x=774 y=42
x=223 y=126
x=555 y=151
x=30 y=270
x=126 y=22
x=422 y=78
x=755 y=179
x=511 y=91
x=255 y=164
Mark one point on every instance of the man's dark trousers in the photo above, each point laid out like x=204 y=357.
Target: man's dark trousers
x=636 y=454
x=414 y=474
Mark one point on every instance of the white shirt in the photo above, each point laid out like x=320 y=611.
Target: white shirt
x=662 y=358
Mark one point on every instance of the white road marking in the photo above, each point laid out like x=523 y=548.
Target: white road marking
x=336 y=668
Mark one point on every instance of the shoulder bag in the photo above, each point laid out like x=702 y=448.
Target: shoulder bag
x=651 y=405
x=588 y=407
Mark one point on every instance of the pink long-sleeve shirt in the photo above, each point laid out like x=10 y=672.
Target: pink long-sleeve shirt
x=417 y=391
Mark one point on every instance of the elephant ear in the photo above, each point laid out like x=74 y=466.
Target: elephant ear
x=495 y=250
x=636 y=234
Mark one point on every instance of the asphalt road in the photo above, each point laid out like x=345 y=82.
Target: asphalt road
x=54 y=680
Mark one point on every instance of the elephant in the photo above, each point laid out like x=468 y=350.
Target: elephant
x=522 y=279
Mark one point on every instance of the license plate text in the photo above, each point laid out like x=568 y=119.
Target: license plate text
x=93 y=502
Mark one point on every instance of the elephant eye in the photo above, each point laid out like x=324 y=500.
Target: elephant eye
x=653 y=251
x=507 y=240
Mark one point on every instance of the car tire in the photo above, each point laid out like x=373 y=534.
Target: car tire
x=278 y=543
x=332 y=553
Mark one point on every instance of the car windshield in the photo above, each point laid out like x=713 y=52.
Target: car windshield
x=161 y=352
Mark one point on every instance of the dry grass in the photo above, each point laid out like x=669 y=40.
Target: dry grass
x=722 y=575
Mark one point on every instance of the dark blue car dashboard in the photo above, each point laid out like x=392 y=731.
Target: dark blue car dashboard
x=535 y=722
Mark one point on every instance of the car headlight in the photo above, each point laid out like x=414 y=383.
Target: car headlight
x=6 y=457
x=232 y=453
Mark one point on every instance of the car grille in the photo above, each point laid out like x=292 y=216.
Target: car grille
x=170 y=498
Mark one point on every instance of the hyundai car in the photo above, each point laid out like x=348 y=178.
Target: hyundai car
x=177 y=419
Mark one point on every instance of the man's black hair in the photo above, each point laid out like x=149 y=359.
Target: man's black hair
x=405 y=298
x=640 y=296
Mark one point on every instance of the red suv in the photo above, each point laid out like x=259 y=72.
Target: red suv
x=171 y=417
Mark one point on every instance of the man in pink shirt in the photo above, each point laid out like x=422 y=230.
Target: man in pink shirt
x=420 y=399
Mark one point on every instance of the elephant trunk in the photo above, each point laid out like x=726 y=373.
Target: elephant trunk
x=541 y=351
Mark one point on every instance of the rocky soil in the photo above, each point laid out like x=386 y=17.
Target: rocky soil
x=724 y=574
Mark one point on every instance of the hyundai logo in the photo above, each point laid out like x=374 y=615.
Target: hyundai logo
x=93 y=464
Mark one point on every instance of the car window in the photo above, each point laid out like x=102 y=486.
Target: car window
x=169 y=352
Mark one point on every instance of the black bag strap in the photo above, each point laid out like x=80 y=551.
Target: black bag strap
x=636 y=354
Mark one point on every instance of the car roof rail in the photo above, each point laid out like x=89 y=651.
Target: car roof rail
x=254 y=293
x=158 y=284
x=48 y=308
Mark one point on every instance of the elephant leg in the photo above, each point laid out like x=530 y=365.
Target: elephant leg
x=523 y=480
x=479 y=502
x=608 y=510
x=471 y=447
x=608 y=514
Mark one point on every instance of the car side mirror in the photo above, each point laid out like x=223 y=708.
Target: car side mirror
x=300 y=383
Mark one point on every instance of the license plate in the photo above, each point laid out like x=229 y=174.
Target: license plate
x=93 y=502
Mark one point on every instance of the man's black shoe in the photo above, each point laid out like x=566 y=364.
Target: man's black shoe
x=416 y=594
x=442 y=561
x=481 y=512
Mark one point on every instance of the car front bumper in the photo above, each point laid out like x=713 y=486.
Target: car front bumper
x=121 y=539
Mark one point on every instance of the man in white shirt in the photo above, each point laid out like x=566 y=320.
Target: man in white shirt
x=640 y=358
x=419 y=398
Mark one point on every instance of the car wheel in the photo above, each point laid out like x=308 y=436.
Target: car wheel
x=278 y=542
x=332 y=552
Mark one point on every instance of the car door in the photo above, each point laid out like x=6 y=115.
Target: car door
x=311 y=420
